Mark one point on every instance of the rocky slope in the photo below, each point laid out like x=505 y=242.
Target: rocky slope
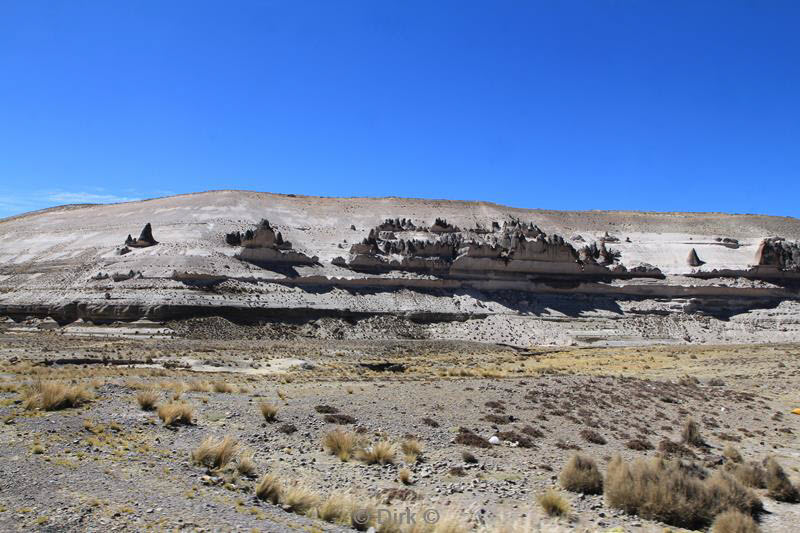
x=458 y=270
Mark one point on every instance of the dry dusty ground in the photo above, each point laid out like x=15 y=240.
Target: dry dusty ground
x=109 y=465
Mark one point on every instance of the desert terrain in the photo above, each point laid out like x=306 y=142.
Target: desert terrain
x=280 y=363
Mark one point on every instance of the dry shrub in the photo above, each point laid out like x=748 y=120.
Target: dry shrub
x=299 y=499
x=404 y=475
x=381 y=453
x=269 y=489
x=268 y=411
x=412 y=449
x=175 y=413
x=553 y=503
x=469 y=458
x=733 y=521
x=592 y=436
x=245 y=464
x=691 y=433
x=673 y=493
x=340 y=443
x=198 y=386
x=335 y=509
x=222 y=386
x=338 y=418
x=639 y=445
x=778 y=485
x=54 y=395
x=580 y=474
x=732 y=454
x=147 y=399
x=749 y=474
x=215 y=453
x=469 y=438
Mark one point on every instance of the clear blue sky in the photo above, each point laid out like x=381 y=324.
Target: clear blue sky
x=653 y=105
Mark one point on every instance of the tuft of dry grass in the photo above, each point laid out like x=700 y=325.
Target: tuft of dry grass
x=175 y=413
x=778 y=485
x=749 y=474
x=580 y=474
x=215 y=453
x=198 y=386
x=268 y=411
x=673 y=493
x=732 y=454
x=382 y=452
x=733 y=521
x=691 y=433
x=54 y=395
x=269 y=489
x=299 y=499
x=412 y=449
x=553 y=503
x=147 y=399
x=404 y=475
x=245 y=464
x=222 y=386
x=335 y=509
x=340 y=443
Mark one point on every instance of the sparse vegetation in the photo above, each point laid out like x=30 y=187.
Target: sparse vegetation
x=404 y=475
x=222 y=386
x=382 y=452
x=54 y=395
x=691 y=433
x=733 y=521
x=176 y=413
x=299 y=499
x=269 y=411
x=468 y=457
x=732 y=454
x=147 y=399
x=589 y=435
x=749 y=474
x=215 y=453
x=553 y=503
x=335 y=509
x=580 y=474
x=668 y=491
x=245 y=464
x=412 y=449
x=269 y=488
x=340 y=443
x=778 y=485
x=469 y=438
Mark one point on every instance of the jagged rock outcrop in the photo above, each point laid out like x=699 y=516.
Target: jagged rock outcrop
x=513 y=250
x=145 y=238
x=779 y=253
x=693 y=260
x=264 y=246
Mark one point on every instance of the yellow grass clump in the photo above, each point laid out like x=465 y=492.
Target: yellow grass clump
x=215 y=453
x=54 y=395
x=175 y=413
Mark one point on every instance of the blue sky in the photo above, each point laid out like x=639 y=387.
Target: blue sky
x=673 y=106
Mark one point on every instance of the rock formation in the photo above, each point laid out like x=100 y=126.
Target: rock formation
x=693 y=260
x=145 y=238
x=512 y=251
x=264 y=246
x=779 y=253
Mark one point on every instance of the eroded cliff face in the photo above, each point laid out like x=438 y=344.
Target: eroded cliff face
x=513 y=250
x=420 y=260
